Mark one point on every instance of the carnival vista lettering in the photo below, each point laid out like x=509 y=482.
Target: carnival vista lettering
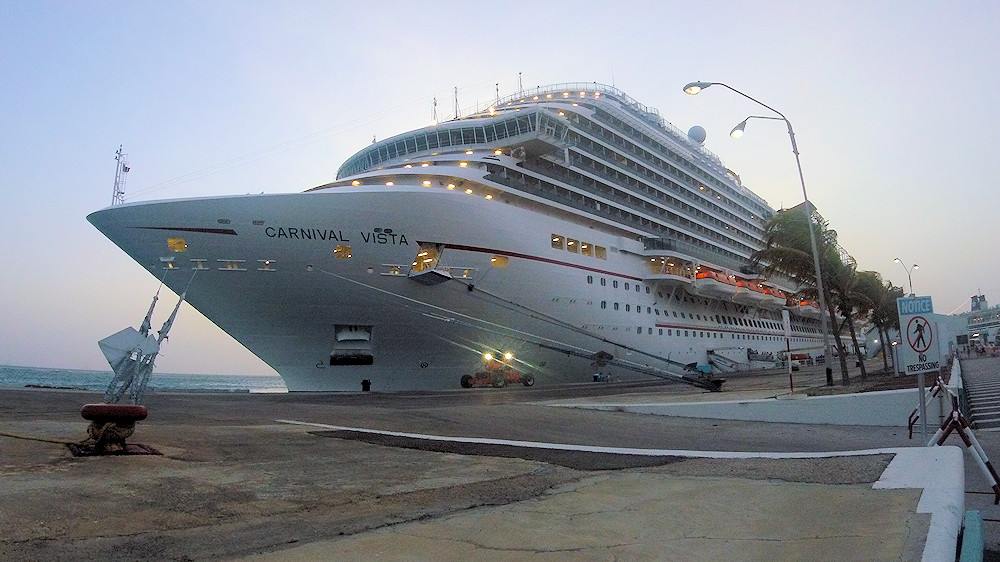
x=379 y=236
x=306 y=233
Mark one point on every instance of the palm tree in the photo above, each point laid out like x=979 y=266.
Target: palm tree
x=870 y=291
x=851 y=302
x=788 y=250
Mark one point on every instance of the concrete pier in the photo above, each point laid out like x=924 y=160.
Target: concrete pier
x=478 y=473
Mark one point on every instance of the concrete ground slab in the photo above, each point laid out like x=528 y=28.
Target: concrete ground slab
x=648 y=516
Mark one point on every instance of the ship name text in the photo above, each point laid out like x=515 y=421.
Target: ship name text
x=377 y=236
x=384 y=238
x=306 y=233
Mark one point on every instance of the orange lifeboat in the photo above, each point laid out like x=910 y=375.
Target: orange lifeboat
x=714 y=284
x=749 y=292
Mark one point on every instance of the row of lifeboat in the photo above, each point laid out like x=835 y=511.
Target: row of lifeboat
x=712 y=283
x=717 y=284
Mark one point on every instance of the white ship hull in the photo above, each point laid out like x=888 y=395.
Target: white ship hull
x=421 y=337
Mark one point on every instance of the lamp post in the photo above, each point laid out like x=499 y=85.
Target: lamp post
x=909 y=277
x=694 y=88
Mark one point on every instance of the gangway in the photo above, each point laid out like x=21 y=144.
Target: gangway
x=676 y=371
x=725 y=364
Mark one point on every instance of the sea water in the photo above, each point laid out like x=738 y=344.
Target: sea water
x=21 y=377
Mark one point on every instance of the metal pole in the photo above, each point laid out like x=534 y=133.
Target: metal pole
x=812 y=235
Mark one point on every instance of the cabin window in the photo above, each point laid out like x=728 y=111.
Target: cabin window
x=616 y=306
x=628 y=308
x=573 y=245
x=590 y=279
x=587 y=249
x=342 y=252
x=266 y=265
x=600 y=253
x=604 y=282
x=604 y=304
x=614 y=283
x=499 y=261
x=198 y=264
x=558 y=242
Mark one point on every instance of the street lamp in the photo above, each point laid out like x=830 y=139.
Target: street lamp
x=909 y=278
x=694 y=88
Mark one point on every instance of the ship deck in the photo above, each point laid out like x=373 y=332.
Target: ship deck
x=234 y=482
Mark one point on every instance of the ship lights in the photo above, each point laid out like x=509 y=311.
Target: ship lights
x=565 y=94
x=463 y=164
x=468 y=152
x=355 y=182
x=408 y=166
x=508 y=356
x=498 y=152
x=427 y=183
x=424 y=165
x=488 y=196
x=451 y=186
x=389 y=183
x=469 y=191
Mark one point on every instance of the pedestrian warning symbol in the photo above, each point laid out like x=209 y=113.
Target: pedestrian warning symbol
x=919 y=334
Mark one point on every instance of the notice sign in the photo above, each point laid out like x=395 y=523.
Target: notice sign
x=919 y=350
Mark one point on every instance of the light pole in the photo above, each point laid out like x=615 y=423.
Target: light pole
x=909 y=277
x=694 y=88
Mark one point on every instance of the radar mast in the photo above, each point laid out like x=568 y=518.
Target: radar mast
x=121 y=174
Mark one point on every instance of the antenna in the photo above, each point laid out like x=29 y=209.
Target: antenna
x=498 y=93
x=520 y=86
x=434 y=113
x=121 y=174
x=456 y=102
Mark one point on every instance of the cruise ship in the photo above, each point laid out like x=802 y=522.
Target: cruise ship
x=568 y=225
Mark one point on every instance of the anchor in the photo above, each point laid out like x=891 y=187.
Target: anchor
x=131 y=354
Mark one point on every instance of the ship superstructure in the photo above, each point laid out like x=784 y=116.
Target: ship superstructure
x=568 y=224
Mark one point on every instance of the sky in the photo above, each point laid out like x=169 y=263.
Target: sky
x=894 y=106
